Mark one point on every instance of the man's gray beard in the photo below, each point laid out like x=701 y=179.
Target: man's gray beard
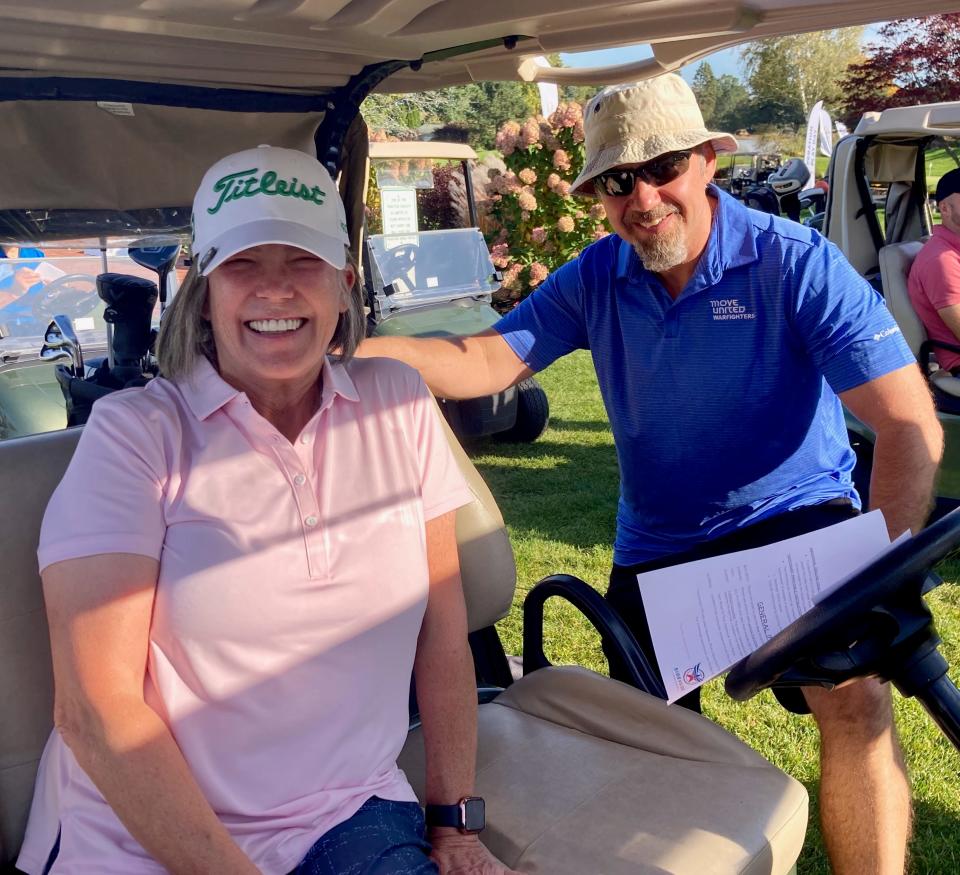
x=663 y=251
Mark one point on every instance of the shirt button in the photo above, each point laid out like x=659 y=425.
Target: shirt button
x=300 y=479
x=304 y=439
x=311 y=521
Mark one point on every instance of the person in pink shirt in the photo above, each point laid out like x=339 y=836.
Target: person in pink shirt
x=934 y=281
x=244 y=563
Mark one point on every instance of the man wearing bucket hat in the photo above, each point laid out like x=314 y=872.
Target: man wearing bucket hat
x=724 y=341
x=233 y=676
x=934 y=282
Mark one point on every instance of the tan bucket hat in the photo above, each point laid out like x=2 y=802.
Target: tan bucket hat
x=636 y=122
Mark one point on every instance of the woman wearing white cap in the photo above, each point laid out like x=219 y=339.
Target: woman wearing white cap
x=242 y=566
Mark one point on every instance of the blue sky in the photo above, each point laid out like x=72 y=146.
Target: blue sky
x=727 y=61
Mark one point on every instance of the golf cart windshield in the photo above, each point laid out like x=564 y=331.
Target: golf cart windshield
x=35 y=288
x=429 y=266
x=416 y=193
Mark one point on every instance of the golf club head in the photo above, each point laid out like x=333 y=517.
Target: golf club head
x=60 y=336
x=158 y=254
x=53 y=354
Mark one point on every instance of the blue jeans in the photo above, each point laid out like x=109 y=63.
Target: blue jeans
x=383 y=838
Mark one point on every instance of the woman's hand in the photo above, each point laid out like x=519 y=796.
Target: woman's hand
x=458 y=854
x=25 y=278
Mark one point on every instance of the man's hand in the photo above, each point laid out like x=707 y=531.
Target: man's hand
x=26 y=278
x=458 y=854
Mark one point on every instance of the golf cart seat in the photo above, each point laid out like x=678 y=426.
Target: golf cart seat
x=581 y=774
x=895 y=262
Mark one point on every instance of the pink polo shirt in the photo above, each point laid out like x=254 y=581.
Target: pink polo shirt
x=293 y=581
x=934 y=284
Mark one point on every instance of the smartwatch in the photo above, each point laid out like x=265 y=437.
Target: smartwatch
x=468 y=815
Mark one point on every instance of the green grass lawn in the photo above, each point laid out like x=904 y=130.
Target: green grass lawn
x=559 y=497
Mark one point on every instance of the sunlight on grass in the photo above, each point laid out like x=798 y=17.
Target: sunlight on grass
x=558 y=497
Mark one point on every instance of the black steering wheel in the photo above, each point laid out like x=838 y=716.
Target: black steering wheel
x=400 y=262
x=877 y=624
x=74 y=294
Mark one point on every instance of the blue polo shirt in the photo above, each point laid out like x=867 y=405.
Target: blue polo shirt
x=723 y=403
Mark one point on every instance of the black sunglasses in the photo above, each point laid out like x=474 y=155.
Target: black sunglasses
x=620 y=182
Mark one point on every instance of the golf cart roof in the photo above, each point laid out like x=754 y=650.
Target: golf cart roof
x=313 y=46
x=423 y=149
x=931 y=119
x=120 y=107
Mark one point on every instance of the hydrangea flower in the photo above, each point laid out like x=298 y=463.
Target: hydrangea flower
x=530 y=132
x=565 y=224
x=527 y=176
x=500 y=255
x=507 y=137
x=538 y=235
x=561 y=160
x=510 y=277
x=527 y=201
x=538 y=273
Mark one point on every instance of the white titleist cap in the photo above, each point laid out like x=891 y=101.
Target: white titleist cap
x=267 y=195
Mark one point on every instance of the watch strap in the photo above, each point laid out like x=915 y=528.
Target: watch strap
x=445 y=815
x=468 y=815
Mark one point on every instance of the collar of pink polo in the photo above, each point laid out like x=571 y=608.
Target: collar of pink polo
x=206 y=392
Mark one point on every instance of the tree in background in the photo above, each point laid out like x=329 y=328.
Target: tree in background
x=489 y=104
x=724 y=101
x=916 y=61
x=398 y=115
x=788 y=74
x=731 y=111
x=478 y=107
x=706 y=87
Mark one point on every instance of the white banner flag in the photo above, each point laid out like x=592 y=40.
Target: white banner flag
x=826 y=134
x=841 y=129
x=819 y=135
x=549 y=93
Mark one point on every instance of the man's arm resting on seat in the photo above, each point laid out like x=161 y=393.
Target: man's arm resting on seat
x=455 y=367
x=908 y=445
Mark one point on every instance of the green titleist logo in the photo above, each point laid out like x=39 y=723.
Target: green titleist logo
x=246 y=183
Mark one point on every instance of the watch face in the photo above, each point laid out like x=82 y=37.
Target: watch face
x=474 y=814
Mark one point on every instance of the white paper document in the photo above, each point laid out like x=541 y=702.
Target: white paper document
x=705 y=616
x=49 y=272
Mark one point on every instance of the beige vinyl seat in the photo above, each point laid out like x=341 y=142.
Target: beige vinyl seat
x=582 y=775
x=895 y=262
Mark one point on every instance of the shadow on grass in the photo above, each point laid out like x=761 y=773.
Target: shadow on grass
x=936 y=842
x=934 y=849
x=566 y=492
x=579 y=425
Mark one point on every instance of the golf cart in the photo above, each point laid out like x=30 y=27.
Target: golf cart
x=75 y=325
x=427 y=272
x=739 y=171
x=879 y=213
x=581 y=773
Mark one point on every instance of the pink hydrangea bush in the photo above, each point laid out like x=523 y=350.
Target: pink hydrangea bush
x=533 y=224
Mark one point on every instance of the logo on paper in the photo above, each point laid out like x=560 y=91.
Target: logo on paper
x=730 y=309
x=694 y=675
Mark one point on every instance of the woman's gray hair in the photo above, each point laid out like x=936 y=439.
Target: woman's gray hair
x=186 y=334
